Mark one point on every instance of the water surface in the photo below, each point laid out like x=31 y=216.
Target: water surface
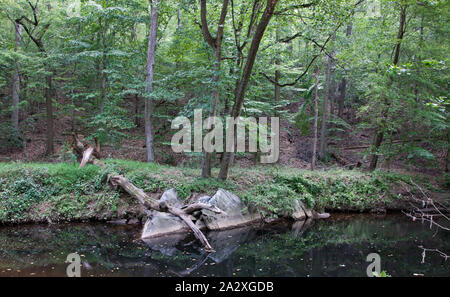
x=334 y=247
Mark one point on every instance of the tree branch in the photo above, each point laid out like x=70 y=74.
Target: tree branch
x=205 y=30
x=306 y=5
x=322 y=49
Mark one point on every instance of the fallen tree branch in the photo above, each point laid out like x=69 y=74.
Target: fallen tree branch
x=88 y=156
x=425 y=250
x=198 y=206
x=422 y=211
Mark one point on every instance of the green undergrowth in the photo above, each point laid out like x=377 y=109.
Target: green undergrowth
x=36 y=192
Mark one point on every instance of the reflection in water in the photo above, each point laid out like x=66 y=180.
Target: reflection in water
x=333 y=247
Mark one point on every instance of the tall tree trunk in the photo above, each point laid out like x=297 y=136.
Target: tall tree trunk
x=103 y=65
x=49 y=104
x=149 y=80
x=380 y=134
x=316 y=117
x=277 y=71
x=323 y=126
x=49 y=107
x=136 y=110
x=341 y=98
x=332 y=86
x=179 y=19
x=206 y=163
x=16 y=82
x=216 y=45
x=243 y=83
x=343 y=83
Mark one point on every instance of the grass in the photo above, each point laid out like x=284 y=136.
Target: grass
x=37 y=192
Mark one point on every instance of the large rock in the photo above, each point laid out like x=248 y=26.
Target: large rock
x=162 y=223
x=234 y=209
x=204 y=199
x=170 y=197
x=301 y=212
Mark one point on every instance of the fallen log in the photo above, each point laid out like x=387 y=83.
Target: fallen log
x=341 y=160
x=87 y=154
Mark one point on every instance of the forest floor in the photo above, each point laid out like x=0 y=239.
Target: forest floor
x=345 y=149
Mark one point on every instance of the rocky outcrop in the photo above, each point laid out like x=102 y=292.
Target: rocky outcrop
x=235 y=213
x=301 y=212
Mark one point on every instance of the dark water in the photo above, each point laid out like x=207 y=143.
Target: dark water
x=334 y=247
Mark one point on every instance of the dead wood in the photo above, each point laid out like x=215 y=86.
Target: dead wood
x=87 y=154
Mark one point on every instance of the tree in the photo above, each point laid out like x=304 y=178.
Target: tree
x=323 y=123
x=242 y=84
x=380 y=133
x=16 y=82
x=36 y=31
x=316 y=117
x=149 y=80
x=216 y=44
x=343 y=83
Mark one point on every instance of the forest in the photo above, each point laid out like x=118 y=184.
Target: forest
x=365 y=77
x=353 y=95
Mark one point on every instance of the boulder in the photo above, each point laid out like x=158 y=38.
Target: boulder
x=204 y=199
x=162 y=223
x=299 y=213
x=170 y=197
x=234 y=209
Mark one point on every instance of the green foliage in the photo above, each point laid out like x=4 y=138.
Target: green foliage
x=9 y=138
x=342 y=190
x=55 y=192
x=302 y=122
x=445 y=181
x=382 y=274
x=271 y=199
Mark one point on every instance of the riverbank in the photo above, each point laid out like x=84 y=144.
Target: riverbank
x=37 y=192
